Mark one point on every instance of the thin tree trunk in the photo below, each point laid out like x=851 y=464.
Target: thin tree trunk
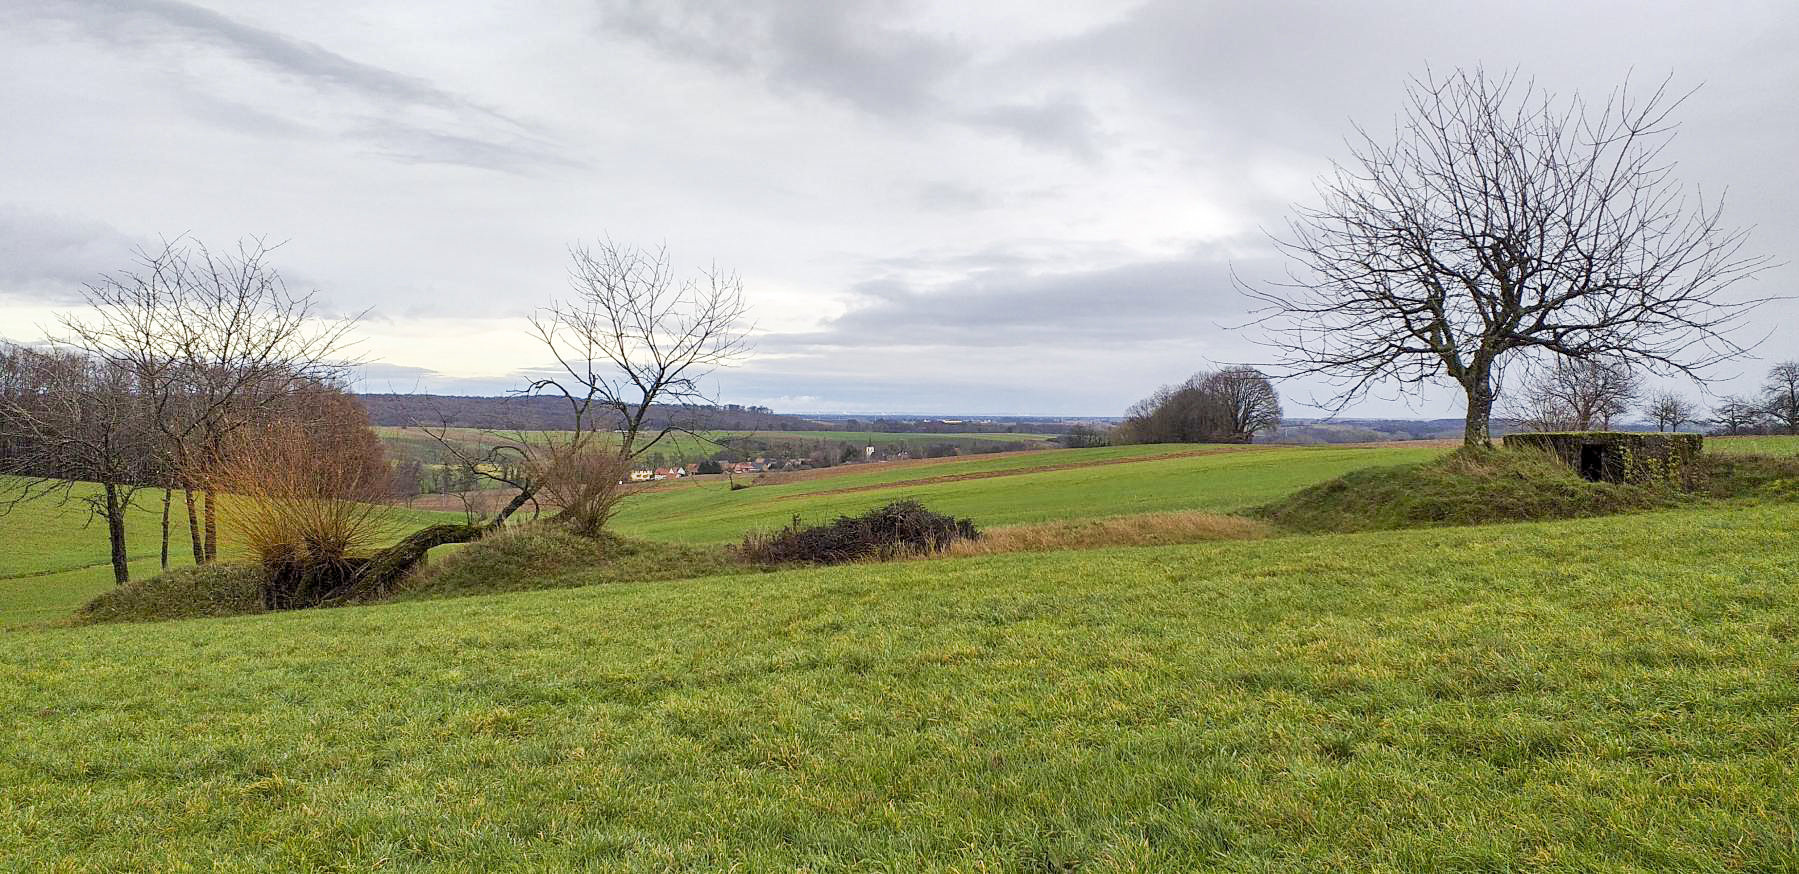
x=193 y=527
x=212 y=527
x=115 y=532
x=168 y=497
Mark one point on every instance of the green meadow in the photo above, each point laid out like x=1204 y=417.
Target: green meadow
x=1603 y=694
x=1609 y=693
x=1765 y=445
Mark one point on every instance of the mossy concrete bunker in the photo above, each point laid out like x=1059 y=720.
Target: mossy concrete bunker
x=1611 y=456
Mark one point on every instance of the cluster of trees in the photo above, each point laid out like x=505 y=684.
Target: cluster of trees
x=1222 y=406
x=172 y=362
x=1774 y=411
x=201 y=373
x=1576 y=395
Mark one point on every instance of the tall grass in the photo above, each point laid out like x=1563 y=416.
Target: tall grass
x=1143 y=529
x=299 y=499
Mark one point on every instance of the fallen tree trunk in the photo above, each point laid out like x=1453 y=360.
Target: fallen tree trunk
x=293 y=586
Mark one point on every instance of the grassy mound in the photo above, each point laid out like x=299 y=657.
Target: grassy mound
x=530 y=557
x=1463 y=488
x=180 y=593
x=548 y=557
x=1757 y=477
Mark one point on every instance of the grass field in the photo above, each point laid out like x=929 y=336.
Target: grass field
x=1617 y=693
x=1773 y=445
x=1603 y=694
x=1011 y=488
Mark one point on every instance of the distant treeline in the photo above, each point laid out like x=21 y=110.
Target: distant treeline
x=1002 y=425
x=545 y=413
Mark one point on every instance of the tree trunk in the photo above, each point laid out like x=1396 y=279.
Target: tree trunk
x=193 y=527
x=168 y=497
x=1478 y=430
x=115 y=532
x=212 y=527
x=291 y=586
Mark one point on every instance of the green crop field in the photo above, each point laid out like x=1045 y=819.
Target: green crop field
x=1601 y=694
x=1013 y=488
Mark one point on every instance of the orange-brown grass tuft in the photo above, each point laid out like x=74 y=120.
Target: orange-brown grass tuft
x=1144 y=529
x=300 y=497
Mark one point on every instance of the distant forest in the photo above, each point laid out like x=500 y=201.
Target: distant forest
x=543 y=413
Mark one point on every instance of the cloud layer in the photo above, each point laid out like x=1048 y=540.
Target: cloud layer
x=1001 y=207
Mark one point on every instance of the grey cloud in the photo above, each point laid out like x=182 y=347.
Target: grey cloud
x=1063 y=121
x=1005 y=305
x=841 y=49
x=486 y=138
x=850 y=51
x=47 y=257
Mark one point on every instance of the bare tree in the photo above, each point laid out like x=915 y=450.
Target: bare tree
x=631 y=337
x=632 y=346
x=1578 y=395
x=1500 y=223
x=1735 y=414
x=68 y=418
x=213 y=340
x=1247 y=398
x=1780 y=395
x=1669 y=410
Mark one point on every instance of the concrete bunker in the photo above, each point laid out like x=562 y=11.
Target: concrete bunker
x=1616 y=457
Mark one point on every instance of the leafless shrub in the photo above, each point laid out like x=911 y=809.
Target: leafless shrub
x=900 y=528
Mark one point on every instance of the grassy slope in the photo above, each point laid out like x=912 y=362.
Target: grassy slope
x=54 y=558
x=1229 y=479
x=1593 y=694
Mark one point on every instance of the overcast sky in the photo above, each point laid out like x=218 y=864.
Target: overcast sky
x=956 y=207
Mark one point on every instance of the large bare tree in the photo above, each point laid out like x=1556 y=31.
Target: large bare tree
x=1498 y=223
